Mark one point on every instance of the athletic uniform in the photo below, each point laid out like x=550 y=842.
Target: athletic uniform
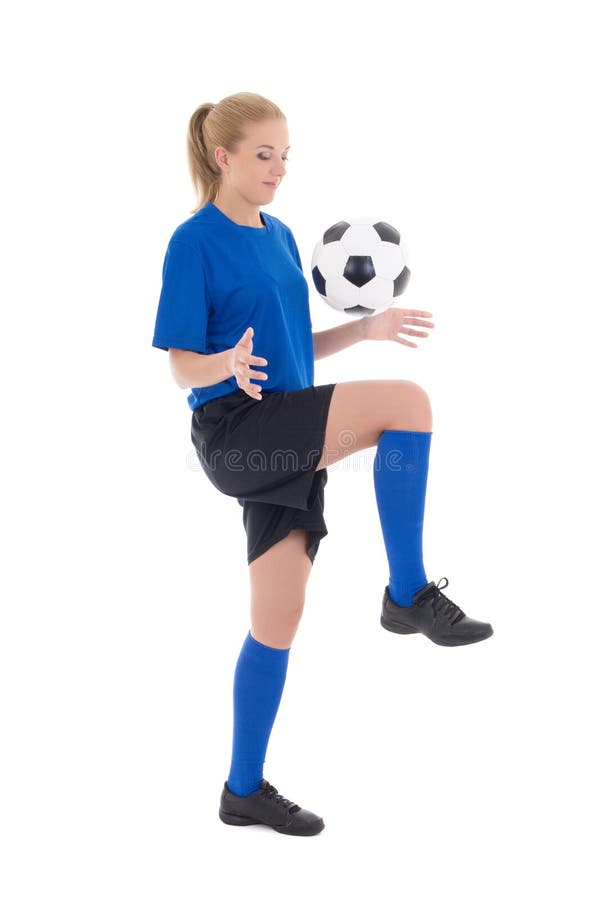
x=219 y=278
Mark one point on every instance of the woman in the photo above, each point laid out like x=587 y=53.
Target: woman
x=234 y=316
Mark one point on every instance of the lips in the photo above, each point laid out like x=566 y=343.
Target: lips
x=270 y=183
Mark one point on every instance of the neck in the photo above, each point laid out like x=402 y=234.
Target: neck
x=240 y=211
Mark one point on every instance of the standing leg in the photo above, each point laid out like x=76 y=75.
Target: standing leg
x=278 y=579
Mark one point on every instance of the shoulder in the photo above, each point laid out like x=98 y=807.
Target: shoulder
x=192 y=231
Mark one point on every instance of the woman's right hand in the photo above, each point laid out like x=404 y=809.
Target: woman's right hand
x=241 y=360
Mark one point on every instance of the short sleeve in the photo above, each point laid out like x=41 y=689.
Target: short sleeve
x=182 y=315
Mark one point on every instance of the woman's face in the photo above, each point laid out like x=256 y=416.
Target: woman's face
x=255 y=171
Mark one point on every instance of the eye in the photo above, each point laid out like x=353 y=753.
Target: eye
x=262 y=156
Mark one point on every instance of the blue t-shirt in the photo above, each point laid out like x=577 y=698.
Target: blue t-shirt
x=219 y=278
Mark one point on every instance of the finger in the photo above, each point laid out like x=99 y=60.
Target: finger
x=416 y=333
x=254 y=375
x=406 y=343
x=410 y=321
x=412 y=312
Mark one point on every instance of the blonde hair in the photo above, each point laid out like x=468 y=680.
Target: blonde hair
x=221 y=125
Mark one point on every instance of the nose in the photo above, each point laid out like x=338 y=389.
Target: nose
x=278 y=170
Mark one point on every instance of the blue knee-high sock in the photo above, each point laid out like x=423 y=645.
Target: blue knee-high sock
x=400 y=476
x=257 y=688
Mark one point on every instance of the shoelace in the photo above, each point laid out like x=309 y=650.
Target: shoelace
x=440 y=603
x=271 y=792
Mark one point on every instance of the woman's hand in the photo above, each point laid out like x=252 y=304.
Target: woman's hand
x=241 y=360
x=385 y=326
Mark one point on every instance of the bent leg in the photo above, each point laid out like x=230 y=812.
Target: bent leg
x=360 y=410
x=396 y=416
x=400 y=472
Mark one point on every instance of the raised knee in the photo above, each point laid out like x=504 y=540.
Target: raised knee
x=413 y=408
x=423 y=397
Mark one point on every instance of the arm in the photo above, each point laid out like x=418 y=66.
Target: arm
x=192 y=369
x=335 y=339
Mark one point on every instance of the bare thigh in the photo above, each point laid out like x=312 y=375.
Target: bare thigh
x=278 y=579
x=360 y=410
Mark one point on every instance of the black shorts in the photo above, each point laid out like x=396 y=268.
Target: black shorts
x=265 y=453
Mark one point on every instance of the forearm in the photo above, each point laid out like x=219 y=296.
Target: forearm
x=191 y=369
x=335 y=339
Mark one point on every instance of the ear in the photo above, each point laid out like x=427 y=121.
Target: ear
x=221 y=157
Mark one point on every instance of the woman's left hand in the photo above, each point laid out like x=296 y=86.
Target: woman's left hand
x=385 y=326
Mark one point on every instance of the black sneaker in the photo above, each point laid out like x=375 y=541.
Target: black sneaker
x=434 y=615
x=266 y=807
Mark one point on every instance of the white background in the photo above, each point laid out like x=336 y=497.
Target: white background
x=462 y=773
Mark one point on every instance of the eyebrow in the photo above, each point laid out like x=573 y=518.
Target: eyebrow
x=270 y=147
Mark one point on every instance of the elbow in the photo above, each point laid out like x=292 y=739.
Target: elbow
x=175 y=375
x=179 y=378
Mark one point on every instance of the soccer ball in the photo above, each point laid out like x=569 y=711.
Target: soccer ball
x=360 y=265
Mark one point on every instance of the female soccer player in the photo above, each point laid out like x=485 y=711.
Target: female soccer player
x=234 y=298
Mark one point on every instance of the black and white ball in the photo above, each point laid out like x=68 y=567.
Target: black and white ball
x=360 y=266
